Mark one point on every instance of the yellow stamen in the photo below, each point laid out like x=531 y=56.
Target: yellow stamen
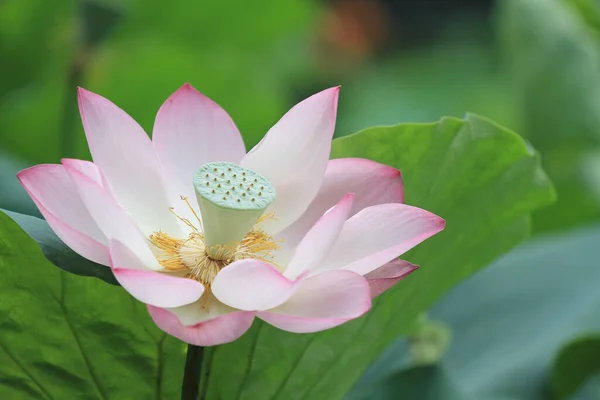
x=184 y=198
x=203 y=264
x=169 y=258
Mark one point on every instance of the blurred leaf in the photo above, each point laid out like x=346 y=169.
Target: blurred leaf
x=242 y=62
x=479 y=176
x=577 y=362
x=591 y=172
x=56 y=251
x=98 y=21
x=511 y=318
x=422 y=383
x=35 y=39
x=67 y=337
x=590 y=390
x=13 y=197
x=454 y=77
x=554 y=56
x=589 y=11
x=245 y=60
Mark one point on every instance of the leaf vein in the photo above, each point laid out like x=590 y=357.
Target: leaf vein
x=250 y=361
x=77 y=340
x=17 y=363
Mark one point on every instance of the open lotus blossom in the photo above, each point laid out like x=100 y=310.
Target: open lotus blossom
x=210 y=237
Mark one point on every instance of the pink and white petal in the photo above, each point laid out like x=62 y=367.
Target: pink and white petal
x=111 y=219
x=124 y=153
x=57 y=198
x=191 y=130
x=200 y=326
x=388 y=275
x=252 y=284
x=372 y=183
x=87 y=168
x=293 y=156
x=317 y=243
x=151 y=287
x=379 y=234
x=91 y=170
x=322 y=302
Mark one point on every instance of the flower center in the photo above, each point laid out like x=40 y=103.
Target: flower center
x=232 y=199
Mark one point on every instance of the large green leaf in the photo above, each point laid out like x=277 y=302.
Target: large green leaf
x=553 y=51
x=479 y=176
x=67 y=337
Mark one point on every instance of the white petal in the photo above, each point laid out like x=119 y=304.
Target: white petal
x=293 y=156
x=372 y=183
x=124 y=153
x=319 y=240
x=151 y=287
x=191 y=130
x=322 y=302
x=252 y=284
x=112 y=220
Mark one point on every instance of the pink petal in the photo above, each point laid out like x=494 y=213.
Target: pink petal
x=379 y=234
x=322 y=302
x=124 y=153
x=222 y=329
x=58 y=200
x=151 y=287
x=191 y=130
x=293 y=155
x=372 y=183
x=113 y=221
x=252 y=284
x=317 y=243
x=388 y=275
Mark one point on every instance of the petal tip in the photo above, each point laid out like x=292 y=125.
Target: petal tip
x=441 y=223
x=68 y=162
x=81 y=92
x=24 y=174
x=186 y=88
x=21 y=175
x=393 y=172
x=336 y=91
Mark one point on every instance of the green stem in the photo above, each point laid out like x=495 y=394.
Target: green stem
x=69 y=117
x=208 y=355
x=68 y=125
x=191 y=374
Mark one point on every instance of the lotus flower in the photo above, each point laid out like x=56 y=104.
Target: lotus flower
x=210 y=237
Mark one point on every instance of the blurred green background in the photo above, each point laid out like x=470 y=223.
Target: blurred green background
x=531 y=65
